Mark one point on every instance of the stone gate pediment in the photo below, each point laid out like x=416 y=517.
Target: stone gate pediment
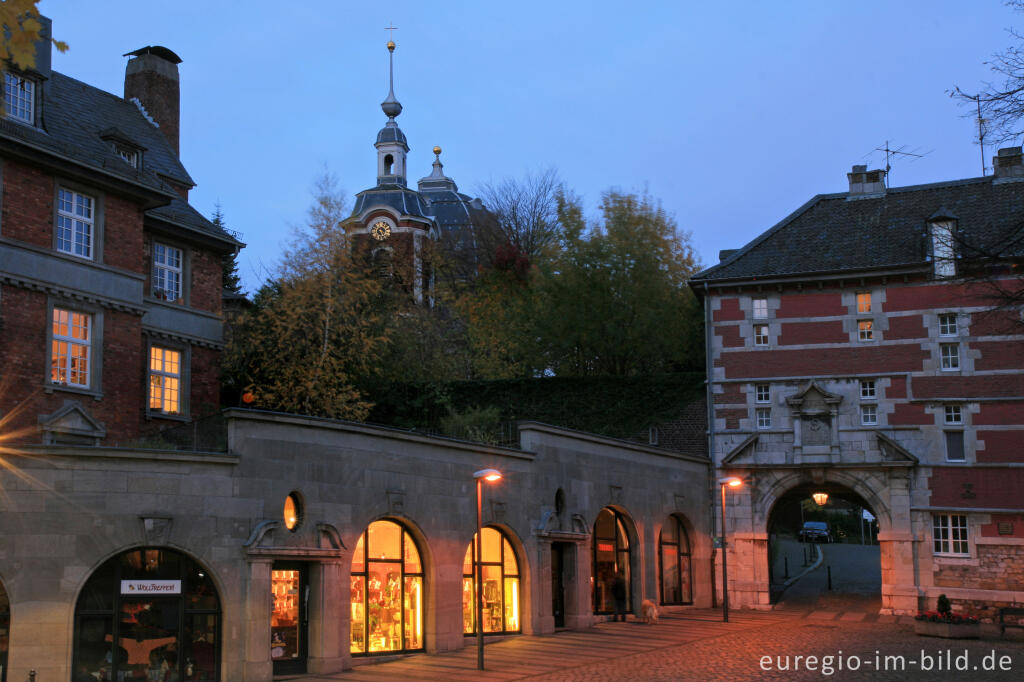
x=742 y=453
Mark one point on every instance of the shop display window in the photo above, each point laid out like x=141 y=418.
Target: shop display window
x=387 y=591
x=611 y=559
x=674 y=543
x=285 y=641
x=500 y=592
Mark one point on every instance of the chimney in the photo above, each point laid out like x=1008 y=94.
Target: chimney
x=863 y=181
x=151 y=77
x=1008 y=163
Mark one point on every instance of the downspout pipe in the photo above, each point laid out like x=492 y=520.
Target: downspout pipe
x=708 y=379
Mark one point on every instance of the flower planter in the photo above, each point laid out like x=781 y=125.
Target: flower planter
x=927 y=628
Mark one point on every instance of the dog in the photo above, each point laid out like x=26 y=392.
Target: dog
x=648 y=612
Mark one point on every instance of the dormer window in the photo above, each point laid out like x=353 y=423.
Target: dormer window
x=20 y=98
x=123 y=146
x=130 y=156
x=944 y=249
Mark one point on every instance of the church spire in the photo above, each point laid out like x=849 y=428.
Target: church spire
x=391 y=106
x=391 y=144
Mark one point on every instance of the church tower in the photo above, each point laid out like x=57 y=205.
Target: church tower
x=391 y=145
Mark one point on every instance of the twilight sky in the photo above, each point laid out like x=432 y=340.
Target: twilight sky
x=733 y=114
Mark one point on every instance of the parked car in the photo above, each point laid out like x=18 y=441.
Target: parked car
x=815 y=531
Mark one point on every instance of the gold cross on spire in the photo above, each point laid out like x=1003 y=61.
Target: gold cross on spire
x=391 y=31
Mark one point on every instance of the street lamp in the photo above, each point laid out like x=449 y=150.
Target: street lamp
x=489 y=475
x=731 y=482
x=820 y=499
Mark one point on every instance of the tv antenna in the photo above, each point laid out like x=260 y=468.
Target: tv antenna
x=892 y=154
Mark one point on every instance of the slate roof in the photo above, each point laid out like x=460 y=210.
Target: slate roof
x=391 y=134
x=76 y=117
x=836 y=233
x=404 y=201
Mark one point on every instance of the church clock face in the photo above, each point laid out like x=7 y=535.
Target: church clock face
x=380 y=230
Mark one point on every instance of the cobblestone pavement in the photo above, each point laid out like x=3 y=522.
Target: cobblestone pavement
x=696 y=645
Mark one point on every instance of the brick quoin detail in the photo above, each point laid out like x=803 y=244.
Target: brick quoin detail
x=906 y=414
x=990 y=386
x=1000 y=414
x=730 y=335
x=1001 y=446
x=797 y=333
x=730 y=395
x=939 y=297
x=729 y=311
x=998 y=355
x=823 y=361
x=1016 y=521
x=811 y=305
x=732 y=416
x=995 y=323
x=897 y=388
x=998 y=488
x=909 y=327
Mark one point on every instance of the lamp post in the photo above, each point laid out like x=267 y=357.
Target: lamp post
x=732 y=482
x=489 y=475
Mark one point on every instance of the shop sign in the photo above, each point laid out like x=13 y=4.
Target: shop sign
x=605 y=547
x=150 y=587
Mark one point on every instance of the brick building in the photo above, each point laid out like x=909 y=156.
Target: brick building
x=110 y=282
x=848 y=353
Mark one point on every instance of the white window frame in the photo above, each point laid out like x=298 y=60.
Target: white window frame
x=943 y=249
x=963 y=446
x=950 y=535
x=869 y=415
x=762 y=393
x=948 y=324
x=19 y=98
x=863 y=302
x=949 y=361
x=868 y=390
x=866 y=330
x=130 y=156
x=163 y=375
x=80 y=227
x=763 y=417
x=759 y=308
x=67 y=317
x=761 y=339
x=953 y=414
x=163 y=268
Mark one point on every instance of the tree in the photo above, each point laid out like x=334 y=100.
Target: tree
x=525 y=211
x=315 y=330
x=230 y=281
x=22 y=29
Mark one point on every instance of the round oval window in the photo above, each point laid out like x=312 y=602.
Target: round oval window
x=292 y=512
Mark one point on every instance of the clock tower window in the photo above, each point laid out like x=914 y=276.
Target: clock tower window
x=389 y=162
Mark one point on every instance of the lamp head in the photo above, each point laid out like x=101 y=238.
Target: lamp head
x=489 y=475
x=731 y=481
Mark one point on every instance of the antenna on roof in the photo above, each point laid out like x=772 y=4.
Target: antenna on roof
x=891 y=154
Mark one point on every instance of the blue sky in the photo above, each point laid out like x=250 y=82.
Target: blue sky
x=733 y=114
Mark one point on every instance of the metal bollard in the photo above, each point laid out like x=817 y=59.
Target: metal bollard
x=786 y=559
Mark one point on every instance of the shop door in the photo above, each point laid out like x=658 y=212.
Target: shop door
x=558 y=583
x=289 y=619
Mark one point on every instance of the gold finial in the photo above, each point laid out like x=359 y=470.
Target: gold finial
x=391 y=28
x=391 y=46
x=437 y=150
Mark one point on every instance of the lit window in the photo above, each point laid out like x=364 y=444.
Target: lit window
x=166 y=272
x=950 y=356
x=500 y=571
x=764 y=418
x=760 y=335
x=864 y=302
x=947 y=324
x=866 y=330
x=868 y=415
x=164 y=380
x=867 y=390
x=949 y=534
x=954 y=414
x=760 y=308
x=292 y=512
x=69 y=350
x=762 y=393
x=955 y=446
x=74 y=223
x=19 y=98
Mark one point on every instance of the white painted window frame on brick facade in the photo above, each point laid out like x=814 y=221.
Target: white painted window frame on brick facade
x=184 y=351
x=868 y=390
x=948 y=325
x=962 y=457
x=763 y=417
x=759 y=338
x=953 y=414
x=865 y=330
x=869 y=415
x=863 y=302
x=20 y=98
x=762 y=393
x=165 y=384
x=168 y=276
x=759 y=308
x=76 y=223
x=950 y=535
x=949 y=357
x=66 y=346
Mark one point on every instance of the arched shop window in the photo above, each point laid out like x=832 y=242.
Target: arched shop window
x=500 y=583
x=148 y=614
x=387 y=591
x=611 y=558
x=674 y=550
x=5 y=631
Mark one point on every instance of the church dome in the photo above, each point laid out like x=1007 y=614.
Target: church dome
x=391 y=134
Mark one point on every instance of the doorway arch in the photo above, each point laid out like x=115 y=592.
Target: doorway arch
x=675 y=586
x=612 y=557
x=501 y=583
